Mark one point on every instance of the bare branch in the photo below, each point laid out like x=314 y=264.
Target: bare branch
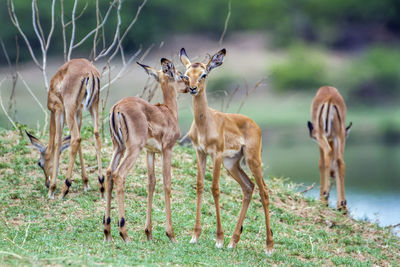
x=97 y=30
x=14 y=20
x=72 y=46
x=77 y=17
x=249 y=92
x=226 y=24
x=4 y=110
x=125 y=33
x=228 y=103
x=38 y=20
x=121 y=72
x=63 y=30
x=37 y=101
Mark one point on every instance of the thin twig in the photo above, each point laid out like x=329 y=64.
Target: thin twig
x=226 y=24
x=249 y=92
x=63 y=30
x=4 y=110
x=11 y=254
x=308 y=189
x=26 y=233
x=14 y=20
x=37 y=101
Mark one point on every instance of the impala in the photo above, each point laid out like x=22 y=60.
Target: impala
x=227 y=138
x=328 y=112
x=136 y=124
x=75 y=85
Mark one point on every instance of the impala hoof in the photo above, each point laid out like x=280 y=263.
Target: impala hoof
x=219 y=244
x=86 y=187
x=231 y=245
x=269 y=251
x=194 y=240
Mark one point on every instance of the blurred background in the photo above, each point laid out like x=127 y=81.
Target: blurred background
x=278 y=54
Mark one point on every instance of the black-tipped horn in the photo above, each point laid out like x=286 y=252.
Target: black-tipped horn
x=183 y=52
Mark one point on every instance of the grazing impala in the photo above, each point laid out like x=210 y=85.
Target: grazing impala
x=227 y=138
x=136 y=124
x=328 y=112
x=75 y=85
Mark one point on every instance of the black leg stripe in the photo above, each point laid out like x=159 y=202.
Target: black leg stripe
x=108 y=220
x=67 y=183
x=122 y=222
x=104 y=219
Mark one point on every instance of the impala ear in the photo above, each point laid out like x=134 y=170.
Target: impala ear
x=150 y=71
x=168 y=68
x=216 y=60
x=184 y=58
x=65 y=143
x=36 y=142
x=310 y=129
x=348 y=128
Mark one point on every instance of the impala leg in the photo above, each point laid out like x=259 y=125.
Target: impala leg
x=150 y=189
x=166 y=166
x=215 y=192
x=94 y=112
x=85 y=179
x=324 y=164
x=201 y=167
x=109 y=187
x=234 y=169
x=341 y=198
x=56 y=151
x=75 y=144
x=119 y=177
x=255 y=167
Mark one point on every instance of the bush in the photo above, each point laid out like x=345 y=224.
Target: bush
x=303 y=70
x=375 y=76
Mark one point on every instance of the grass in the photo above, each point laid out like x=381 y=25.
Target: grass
x=37 y=231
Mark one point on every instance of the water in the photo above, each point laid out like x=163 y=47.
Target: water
x=372 y=180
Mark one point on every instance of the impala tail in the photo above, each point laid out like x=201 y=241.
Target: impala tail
x=118 y=127
x=92 y=89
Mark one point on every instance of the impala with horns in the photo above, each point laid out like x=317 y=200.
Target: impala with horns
x=227 y=138
x=75 y=86
x=328 y=113
x=136 y=124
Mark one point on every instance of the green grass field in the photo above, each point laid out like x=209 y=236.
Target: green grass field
x=37 y=231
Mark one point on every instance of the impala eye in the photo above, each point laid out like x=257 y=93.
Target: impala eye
x=203 y=76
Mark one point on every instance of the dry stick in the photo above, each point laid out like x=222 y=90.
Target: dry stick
x=37 y=101
x=11 y=254
x=249 y=92
x=104 y=101
x=63 y=30
x=4 y=110
x=77 y=17
x=308 y=189
x=122 y=71
x=226 y=24
x=228 y=103
x=97 y=30
x=13 y=74
x=71 y=42
x=26 y=234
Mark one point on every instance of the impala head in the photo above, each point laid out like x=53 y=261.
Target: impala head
x=45 y=162
x=311 y=129
x=167 y=75
x=196 y=73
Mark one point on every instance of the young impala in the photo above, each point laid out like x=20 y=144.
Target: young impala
x=75 y=85
x=328 y=112
x=136 y=124
x=227 y=138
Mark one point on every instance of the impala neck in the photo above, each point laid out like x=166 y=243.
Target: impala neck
x=169 y=98
x=200 y=107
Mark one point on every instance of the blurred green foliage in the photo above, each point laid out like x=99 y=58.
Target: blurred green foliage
x=338 y=24
x=304 y=69
x=375 y=76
